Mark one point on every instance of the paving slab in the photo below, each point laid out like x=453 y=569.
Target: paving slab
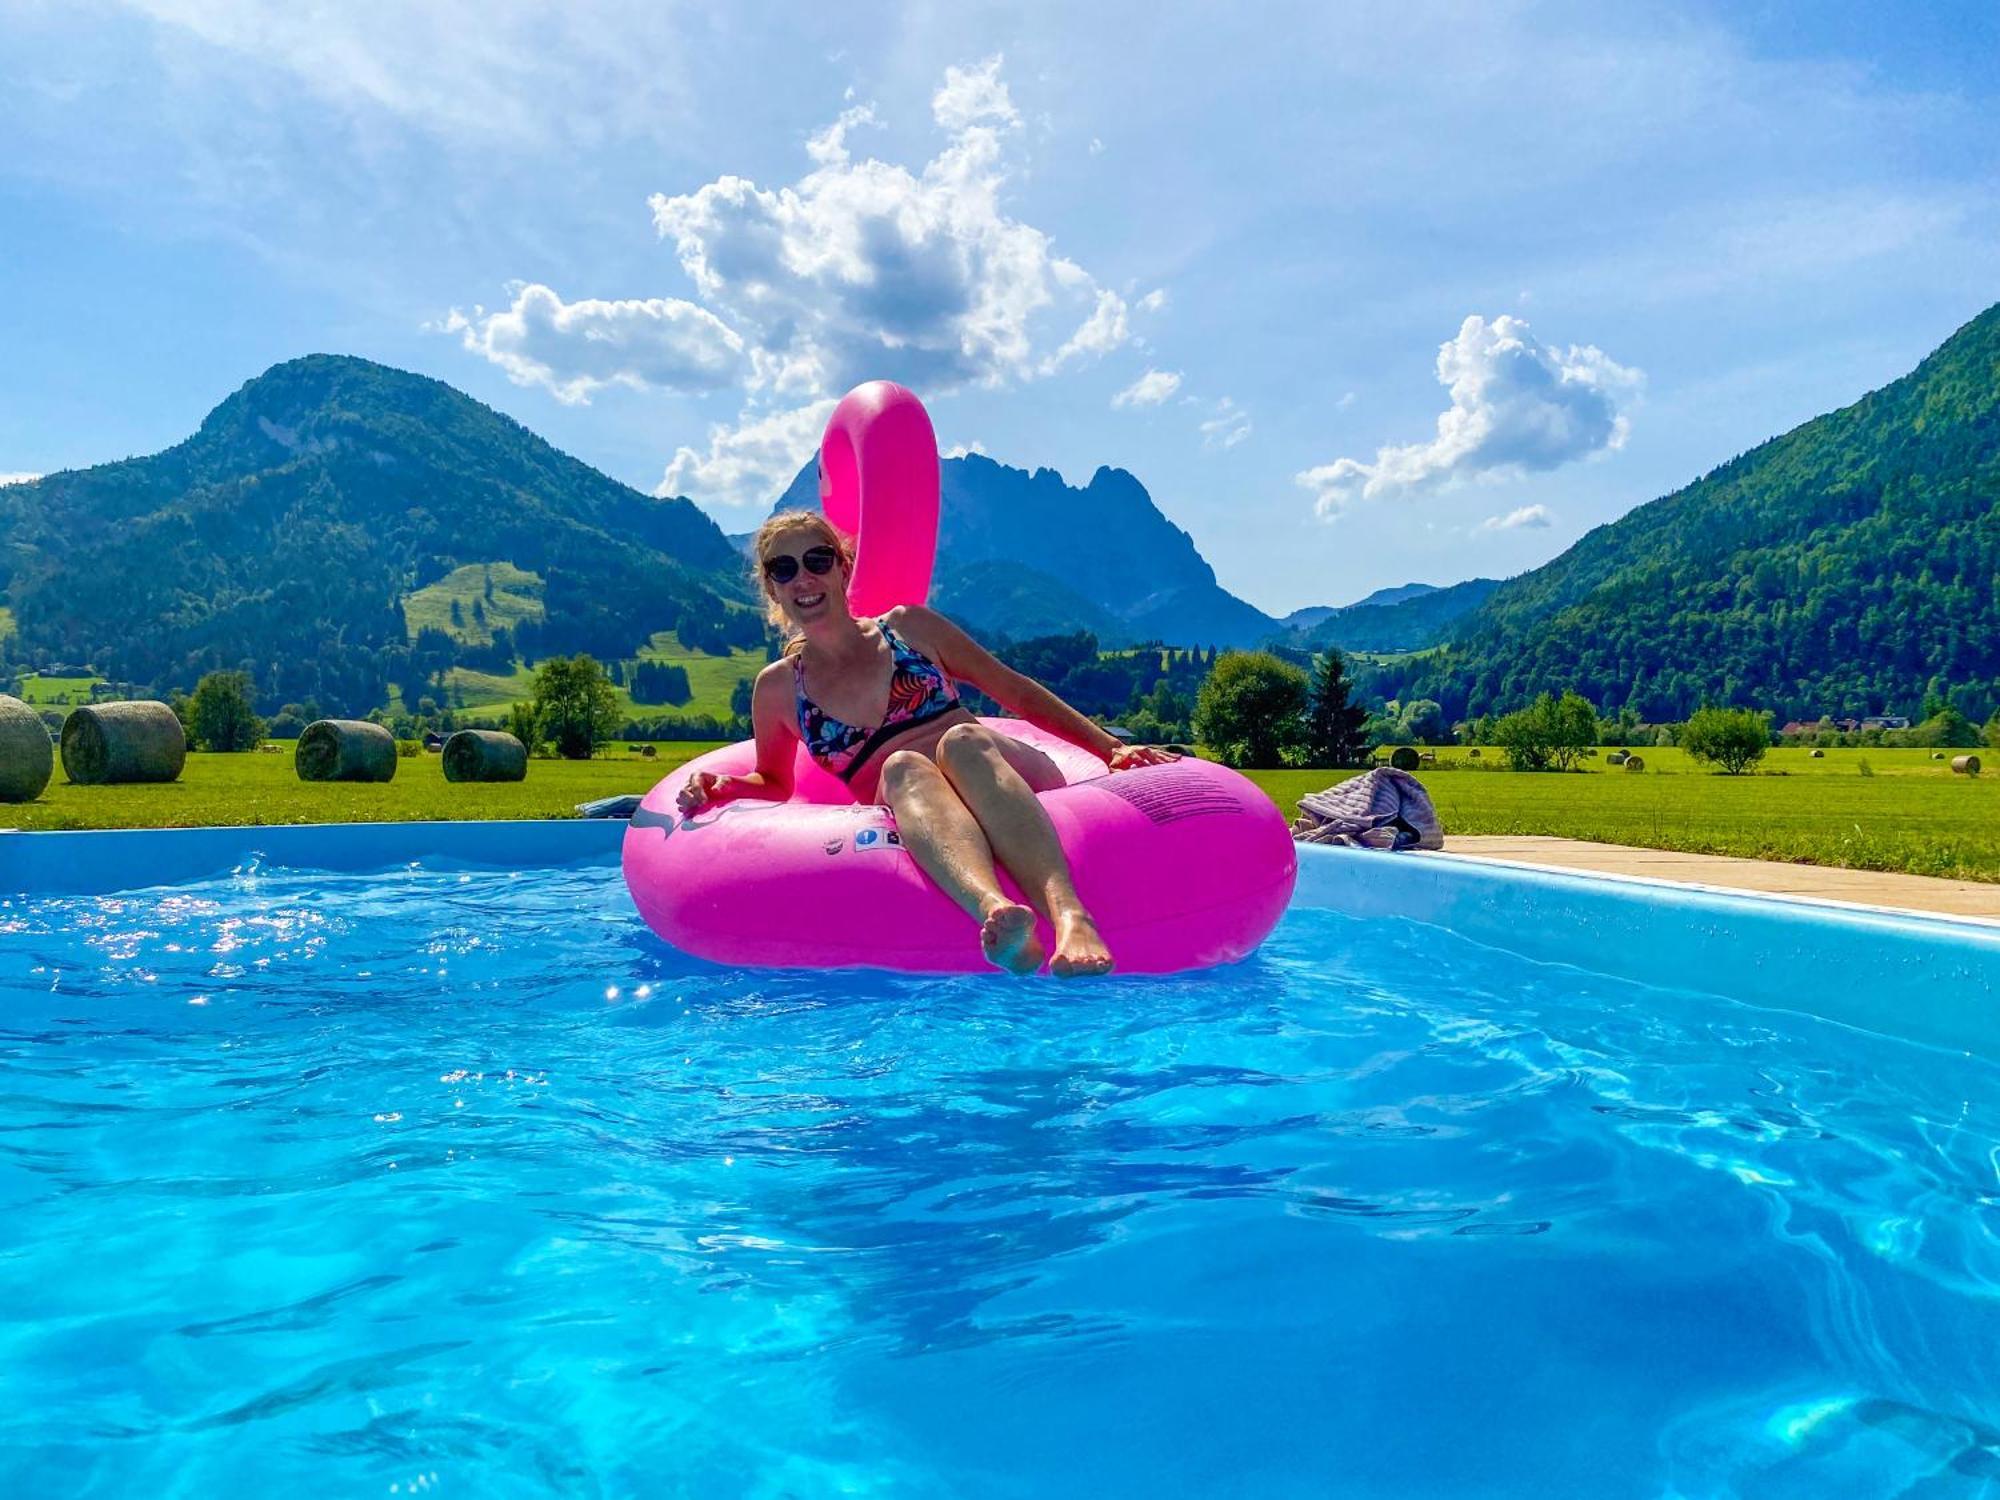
x=1953 y=898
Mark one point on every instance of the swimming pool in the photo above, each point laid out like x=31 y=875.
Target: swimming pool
x=444 y=1180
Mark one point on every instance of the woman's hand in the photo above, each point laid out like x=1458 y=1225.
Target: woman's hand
x=1129 y=757
x=703 y=789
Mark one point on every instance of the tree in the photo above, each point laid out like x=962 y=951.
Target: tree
x=1251 y=708
x=575 y=705
x=220 y=716
x=1423 y=720
x=1947 y=728
x=1333 y=729
x=1732 y=738
x=1993 y=730
x=739 y=697
x=521 y=723
x=1549 y=734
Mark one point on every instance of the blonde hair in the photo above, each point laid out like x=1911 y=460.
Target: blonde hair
x=793 y=520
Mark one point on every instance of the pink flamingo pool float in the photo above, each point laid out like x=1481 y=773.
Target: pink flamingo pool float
x=1184 y=865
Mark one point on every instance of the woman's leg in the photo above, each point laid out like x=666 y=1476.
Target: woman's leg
x=946 y=841
x=976 y=762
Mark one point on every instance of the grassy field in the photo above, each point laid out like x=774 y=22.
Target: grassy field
x=711 y=679
x=516 y=596
x=1911 y=814
x=56 y=692
x=261 y=787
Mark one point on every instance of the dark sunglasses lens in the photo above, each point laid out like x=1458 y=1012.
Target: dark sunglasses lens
x=820 y=560
x=781 y=569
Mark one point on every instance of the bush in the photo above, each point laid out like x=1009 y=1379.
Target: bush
x=1251 y=708
x=219 y=716
x=521 y=723
x=1993 y=730
x=1733 y=738
x=1549 y=734
x=1947 y=727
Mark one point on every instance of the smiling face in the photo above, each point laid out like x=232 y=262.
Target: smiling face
x=805 y=597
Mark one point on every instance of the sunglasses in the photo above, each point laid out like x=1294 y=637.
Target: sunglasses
x=819 y=562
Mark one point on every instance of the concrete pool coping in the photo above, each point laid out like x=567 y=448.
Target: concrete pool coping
x=1929 y=978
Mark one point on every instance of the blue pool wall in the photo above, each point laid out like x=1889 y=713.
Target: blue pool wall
x=1928 y=979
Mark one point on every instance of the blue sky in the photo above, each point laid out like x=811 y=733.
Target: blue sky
x=1363 y=294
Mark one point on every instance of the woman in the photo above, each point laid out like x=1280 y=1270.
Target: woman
x=874 y=702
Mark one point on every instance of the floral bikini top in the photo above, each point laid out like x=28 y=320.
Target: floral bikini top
x=919 y=692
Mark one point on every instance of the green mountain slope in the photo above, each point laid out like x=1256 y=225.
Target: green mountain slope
x=1846 y=567
x=289 y=533
x=1396 y=619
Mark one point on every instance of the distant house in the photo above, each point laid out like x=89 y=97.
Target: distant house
x=1885 y=721
x=1797 y=727
x=433 y=740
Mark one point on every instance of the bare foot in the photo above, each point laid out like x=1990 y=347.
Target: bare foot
x=1080 y=951
x=1007 y=937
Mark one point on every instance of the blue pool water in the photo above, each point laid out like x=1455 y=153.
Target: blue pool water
x=462 y=1184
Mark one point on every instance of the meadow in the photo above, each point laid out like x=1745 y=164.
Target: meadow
x=260 y=787
x=1909 y=813
x=711 y=681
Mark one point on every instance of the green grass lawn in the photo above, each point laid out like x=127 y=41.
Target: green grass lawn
x=1912 y=815
x=261 y=787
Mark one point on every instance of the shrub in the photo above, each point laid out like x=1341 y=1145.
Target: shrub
x=1251 y=708
x=1733 y=738
x=1549 y=734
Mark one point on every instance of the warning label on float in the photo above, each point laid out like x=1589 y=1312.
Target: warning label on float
x=878 y=838
x=1168 y=799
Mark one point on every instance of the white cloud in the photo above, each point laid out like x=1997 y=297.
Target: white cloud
x=575 y=348
x=1530 y=517
x=959 y=450
x=1154 y=300
x=1096 y=146
x=751 y=462
x=19 y=478
x=974 y=96
x=864 y=268
x=1150 y=389
x=1344 y=402
x=1517 y=406
x=1226 y=427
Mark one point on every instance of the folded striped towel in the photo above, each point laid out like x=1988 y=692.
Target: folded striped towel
x=1379 y=809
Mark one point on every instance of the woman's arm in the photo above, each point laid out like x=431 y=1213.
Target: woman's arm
x=1022 y=696
x=776 y=737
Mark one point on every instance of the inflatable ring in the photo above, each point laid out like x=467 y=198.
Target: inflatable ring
x=1183 y=865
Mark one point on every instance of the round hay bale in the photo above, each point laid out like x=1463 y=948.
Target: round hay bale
x=1817 y=755
x=106 y=743
x=1617 y=757
x=1403 y=758
x=1472 y=754
x=485 y=755
x=1634 y=763
x=1937 y=755
x=345 y=750
x=27 y=759
x=1965 y=765
x=648 y=753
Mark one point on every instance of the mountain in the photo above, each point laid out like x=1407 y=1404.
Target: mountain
x=1409 y=618
x=1394 y=595
x=290 y=532
x=1850 y=566
x=1023 y=554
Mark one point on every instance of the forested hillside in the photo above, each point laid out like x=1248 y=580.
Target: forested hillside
x=1847 y=567
x=287 y=534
